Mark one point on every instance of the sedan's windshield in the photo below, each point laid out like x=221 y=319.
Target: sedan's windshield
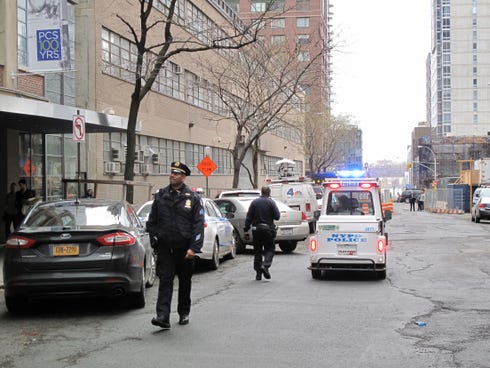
x=68 y=215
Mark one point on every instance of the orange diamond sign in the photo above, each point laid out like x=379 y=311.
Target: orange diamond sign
x=206 y=166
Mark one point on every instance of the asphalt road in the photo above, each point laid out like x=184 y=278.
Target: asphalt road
x=438 y=274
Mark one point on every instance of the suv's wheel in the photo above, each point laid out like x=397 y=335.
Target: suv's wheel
x=288 y=246
x=239 y=243
x=151 y=271
x=232 y=253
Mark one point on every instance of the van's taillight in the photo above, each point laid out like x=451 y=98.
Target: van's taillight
x=16 y=241
x=308 y=207
x=381 y=245
x=116 y=238
x=303 y=216
x=313 y=244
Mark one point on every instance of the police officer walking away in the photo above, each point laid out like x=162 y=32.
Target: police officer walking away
x=176 y=227
x=261 y=215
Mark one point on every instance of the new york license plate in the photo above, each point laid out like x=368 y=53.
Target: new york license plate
x=65 y=250
x=347 y=249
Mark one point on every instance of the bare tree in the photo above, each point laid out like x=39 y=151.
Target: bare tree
x=261 y=87
x=175 y=36
x=323 y=135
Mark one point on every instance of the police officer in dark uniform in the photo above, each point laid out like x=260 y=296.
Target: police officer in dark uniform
x=261 y=215
x=176 y=227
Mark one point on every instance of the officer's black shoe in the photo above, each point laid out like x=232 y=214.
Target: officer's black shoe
x=184 y=319
x=161 y=322
x=266 y=273
x=258 y=276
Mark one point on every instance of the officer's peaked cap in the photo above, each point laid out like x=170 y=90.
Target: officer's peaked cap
x=180 y=168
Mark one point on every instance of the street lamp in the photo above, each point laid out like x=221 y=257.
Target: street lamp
x=435 y=160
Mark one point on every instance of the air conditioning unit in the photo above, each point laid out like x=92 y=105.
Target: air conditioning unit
x=137 y=168
x=155 y=159
x=146 y=169
x=116 y=154
x=111 y=167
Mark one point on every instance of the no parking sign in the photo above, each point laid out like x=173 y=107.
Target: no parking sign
x=79 y=128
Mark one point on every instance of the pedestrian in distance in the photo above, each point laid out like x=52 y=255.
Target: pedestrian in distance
x=176 y=228
x=421 y=200
x=260 y=216
x=412 y=201
x=23 y=200
x=10 y=210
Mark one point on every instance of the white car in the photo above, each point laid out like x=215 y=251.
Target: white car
x=219 y=237
x=291 y=227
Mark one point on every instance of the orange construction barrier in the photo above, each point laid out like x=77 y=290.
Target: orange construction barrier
x=387 y=206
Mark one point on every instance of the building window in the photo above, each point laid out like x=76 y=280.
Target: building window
x=304 y=56
x=258 y=23
x=278 y=39
x=303 y=39
x=302 y=22
x=22 y=32
x=302 y=5
x=157 y=154
x=278 y=23
x=258 y=7
x=276 y=6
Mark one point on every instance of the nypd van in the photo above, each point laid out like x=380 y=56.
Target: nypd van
x=350 y=232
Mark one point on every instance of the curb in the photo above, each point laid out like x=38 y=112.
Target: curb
x=446 y=211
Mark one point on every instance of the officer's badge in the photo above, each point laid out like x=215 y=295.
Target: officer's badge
x=188 y=203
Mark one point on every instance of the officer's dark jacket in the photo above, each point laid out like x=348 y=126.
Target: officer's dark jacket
x=262 y=210
x=177 y=219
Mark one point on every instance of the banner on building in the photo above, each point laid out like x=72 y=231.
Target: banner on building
x=48 y=35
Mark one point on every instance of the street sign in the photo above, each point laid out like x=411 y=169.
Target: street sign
x=78 y=128
x=206 y=166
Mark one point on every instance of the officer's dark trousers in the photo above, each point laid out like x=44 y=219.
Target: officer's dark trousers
x=171 y=262
x=264 y=246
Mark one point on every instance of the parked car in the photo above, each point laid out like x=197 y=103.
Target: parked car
x=219 y=234
x=404 y=197
x=84 y=247
x=291 y=227
x=481 y=209
x=480 y=192
x=240 y=193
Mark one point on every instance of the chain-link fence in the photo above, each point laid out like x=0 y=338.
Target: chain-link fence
x=456 y=198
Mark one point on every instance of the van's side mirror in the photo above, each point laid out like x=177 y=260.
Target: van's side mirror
x=388 y=215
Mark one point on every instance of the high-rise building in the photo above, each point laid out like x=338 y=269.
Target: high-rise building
x=460 y=67
x=458 y=84
x=302 y=25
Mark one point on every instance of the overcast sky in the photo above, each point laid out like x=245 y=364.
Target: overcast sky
x=379 y=71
